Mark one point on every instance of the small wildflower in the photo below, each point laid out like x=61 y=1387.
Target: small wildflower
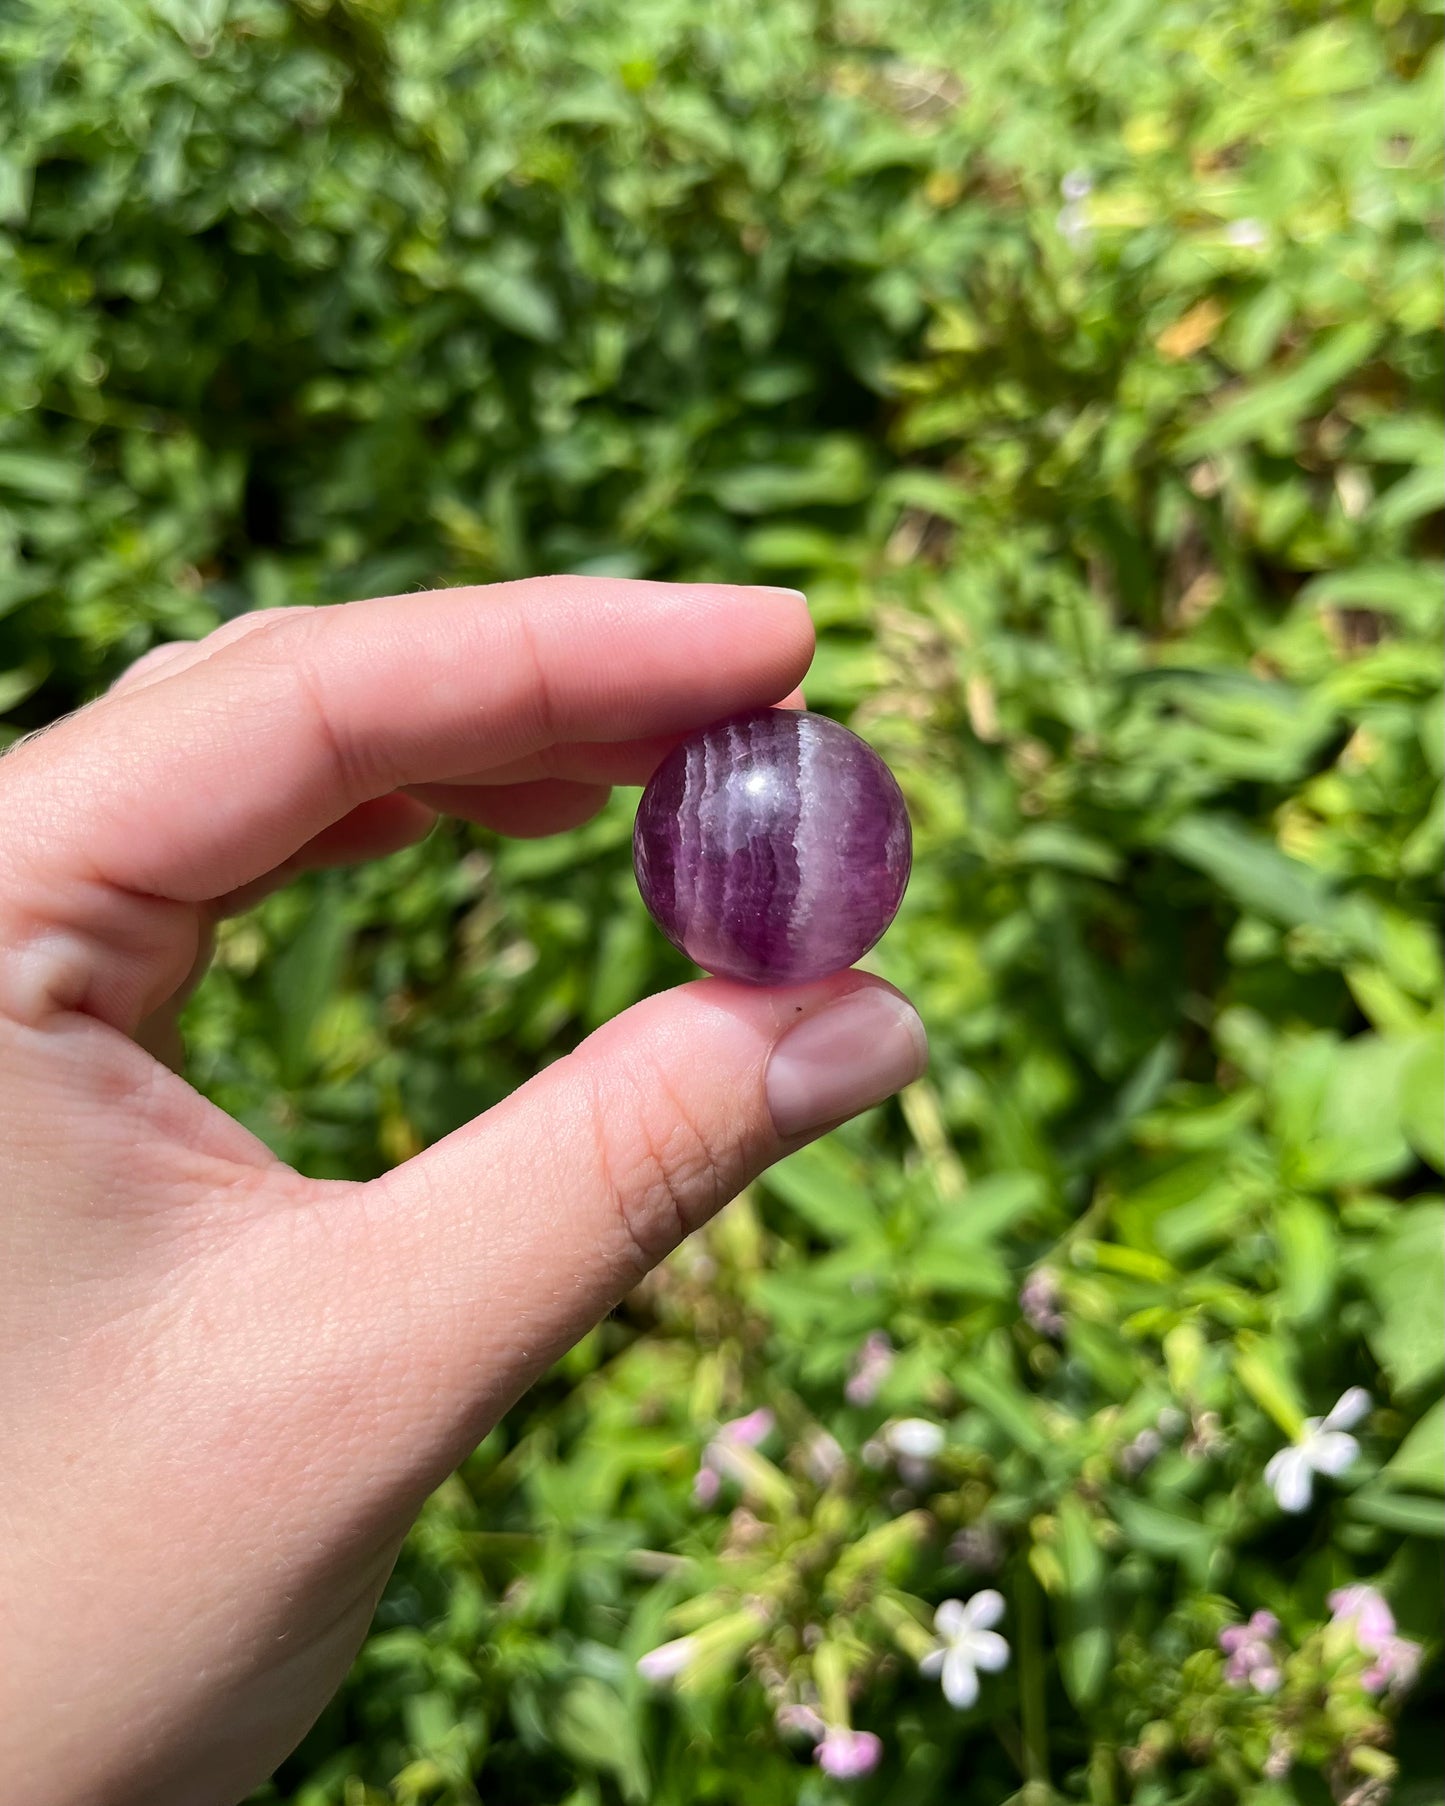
x=668 y=1660
x=1366 y=1609
x=912 y=1444
x=745 y=1531
x=1073 y=224
x=741 y=1432
x=1205 y=1438
x=1394 y=1668
x=845 y=1754
x=870 y=1369
x=1039 y=1301
x=756 y=1427
x=1323 y=1448
x=1396 y=1659
x=1140 y=1452
x=800 y=1721
x=1280 y=1758
x=977 y=1546
x=1248 y=234
x=966 y=1645
x=823 y=1457
x=1253 y=1661
x=914 y=1437
x=1076 y=185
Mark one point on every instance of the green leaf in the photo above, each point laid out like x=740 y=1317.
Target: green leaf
x=430 y=1718
x=1406 y=1512
x=1007 y=1404
x=1404 y=1273
x=821 y=1184
x=1337 y=1109
x=1262 y=1369
x=834 y=469
x=592 y=1725
x=988 y=1208
x=1052 y=844
x=303 y=978
x=1183 y=1208
x=1085 y=1645
x=1419 y=1462
x=1166 y=1531
x=1411 y=592
x=515 y=300
x=1252 y=871
x=16 y=685
x=1284 y=400
x=966 y=1271
x=39 y=477
x=1305 y=1235
x=1422 y=1100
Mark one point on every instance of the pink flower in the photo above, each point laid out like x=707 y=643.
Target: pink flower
x=802 y=1720
x=823 y=1457
x=845 y=1754
x=1397 y=1659
x=741 y=1432
x=1039 y=1301
x=870 y=1369
x=756 y=1427
x=977 y=1546
x=668 y=1660
x=1365 y=1607
x=1252 y=1658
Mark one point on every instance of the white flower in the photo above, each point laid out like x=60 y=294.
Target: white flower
x=1073 y=223
x=966 y=1645
x=1248 y=234
x=914 y=1437
x=1322 y=1448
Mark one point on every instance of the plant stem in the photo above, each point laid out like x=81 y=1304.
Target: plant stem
x=1033 y=1707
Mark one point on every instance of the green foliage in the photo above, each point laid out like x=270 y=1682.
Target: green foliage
x=1083 y=363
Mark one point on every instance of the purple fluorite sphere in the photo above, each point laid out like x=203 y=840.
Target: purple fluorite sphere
x=773 y=847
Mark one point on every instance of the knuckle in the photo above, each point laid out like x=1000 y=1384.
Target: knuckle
x=661 y=1171
x=292 y=652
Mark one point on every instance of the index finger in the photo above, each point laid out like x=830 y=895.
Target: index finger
x=192 y=784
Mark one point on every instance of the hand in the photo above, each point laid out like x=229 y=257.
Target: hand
x=225 y=1388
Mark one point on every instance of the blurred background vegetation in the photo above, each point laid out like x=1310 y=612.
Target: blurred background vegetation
x=1083 y=362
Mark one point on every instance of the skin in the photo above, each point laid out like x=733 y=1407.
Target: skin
x=226 y=1389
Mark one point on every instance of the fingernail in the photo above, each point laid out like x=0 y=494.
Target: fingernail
x=848 y=1057
x=778 y=589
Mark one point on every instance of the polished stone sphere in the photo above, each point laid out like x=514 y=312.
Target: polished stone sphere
x=773 y=847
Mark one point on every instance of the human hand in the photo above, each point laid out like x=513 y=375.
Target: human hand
x=226 y=1388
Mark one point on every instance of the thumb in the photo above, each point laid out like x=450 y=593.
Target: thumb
x=512 y=1237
